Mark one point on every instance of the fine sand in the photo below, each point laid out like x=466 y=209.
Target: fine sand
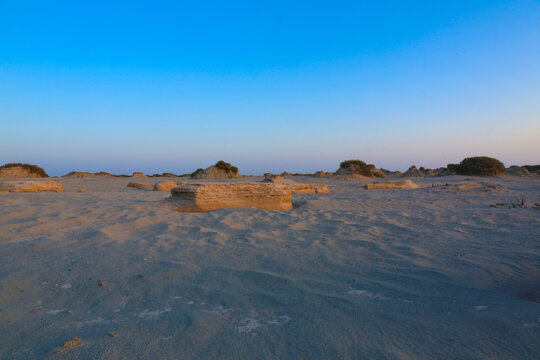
x=439 y=272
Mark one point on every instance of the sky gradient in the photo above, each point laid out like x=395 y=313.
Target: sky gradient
x=270 y=86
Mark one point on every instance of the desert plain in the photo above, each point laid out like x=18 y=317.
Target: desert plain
x=441 y=271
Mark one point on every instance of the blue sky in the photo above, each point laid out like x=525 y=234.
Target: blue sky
x=268 y=86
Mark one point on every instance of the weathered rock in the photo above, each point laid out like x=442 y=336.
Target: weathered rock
x=30 y=186
x=18 y=170
x=519 y=172
x=82 y=174
x=167 y=185
x=139 y=185
x=286 y=173
x=207 y=197
x=392 y=185
x=412 y=172
x=296 y=187
x=138 y=174
x=82 y=190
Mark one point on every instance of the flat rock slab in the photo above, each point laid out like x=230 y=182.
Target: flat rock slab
x=139 y=185
x=392 y=185
x=30 y=186
x=208 y=197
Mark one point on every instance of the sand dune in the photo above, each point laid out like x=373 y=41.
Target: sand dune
x=436 y=272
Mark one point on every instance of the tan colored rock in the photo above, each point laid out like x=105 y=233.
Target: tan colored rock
x=412 y=172
x=30 y=186
x=81 y=174
x=207 y=197
x=82 y=190
x=167 y=185
x=392 y=185
x=138 y=174
x=139 y=185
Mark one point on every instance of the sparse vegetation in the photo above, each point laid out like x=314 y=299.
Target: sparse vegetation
x=358 y=167
x=226 y=166
x=33 y=169
x=479 y=166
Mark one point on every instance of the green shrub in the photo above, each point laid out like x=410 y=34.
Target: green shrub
x=358 y=167
x=480 y=166
x=228 y=168
x=34 y=169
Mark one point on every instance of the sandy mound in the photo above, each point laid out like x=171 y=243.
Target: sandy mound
x=519 y=172
x=412 y=172
x=353 y=177
x=358 y=167
x=207 y=197
x=296 y=187
x=138 y=174
x=392 y=185
x=427 y=172
x=103 y=173
x=167 y=185
x=79 y=174
x=141 y=186
x=221 y=170
x=18 y=170
x=30 y=186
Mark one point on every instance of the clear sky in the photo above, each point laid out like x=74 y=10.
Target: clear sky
x=172 y=86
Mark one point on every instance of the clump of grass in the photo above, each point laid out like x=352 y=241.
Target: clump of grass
x=228 y=168
x=33 y=169
x=358 y=167
x=478 y=166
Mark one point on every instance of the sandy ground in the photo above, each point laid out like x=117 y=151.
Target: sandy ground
x=429 y=273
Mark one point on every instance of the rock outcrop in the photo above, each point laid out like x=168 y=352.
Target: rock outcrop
x=392 y=185
x=79 y=174
x=412 y=172
x=207 y=197
x=167 y=185
x=296 y=187
x=142 y=186
x=30 y=186
x=221 y=170
x=138 y=174
x=18 y=170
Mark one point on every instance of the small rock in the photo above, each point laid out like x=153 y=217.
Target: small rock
x=71 y=343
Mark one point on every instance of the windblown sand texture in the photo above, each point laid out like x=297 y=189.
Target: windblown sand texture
x=446 y=271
